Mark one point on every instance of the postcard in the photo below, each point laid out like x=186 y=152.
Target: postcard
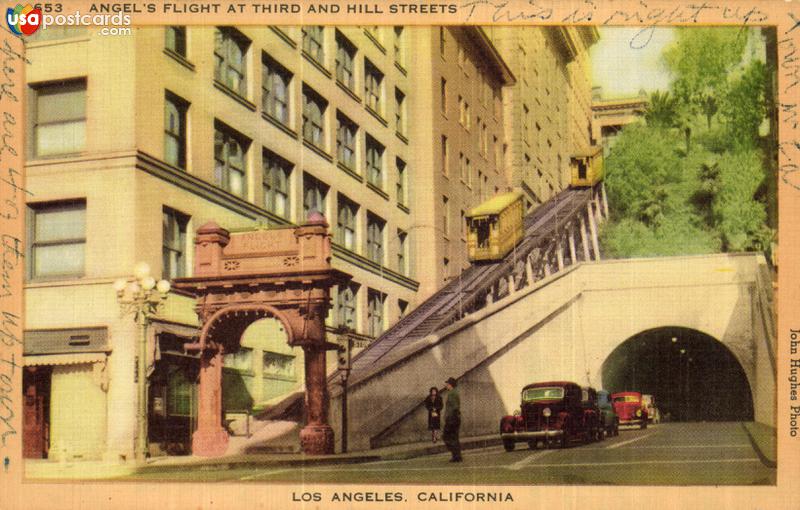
x=452 y=254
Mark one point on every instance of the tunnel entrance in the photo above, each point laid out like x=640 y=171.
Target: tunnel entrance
x=692 y=376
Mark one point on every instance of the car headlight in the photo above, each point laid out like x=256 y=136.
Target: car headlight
x=546 y=412
x=638 y=412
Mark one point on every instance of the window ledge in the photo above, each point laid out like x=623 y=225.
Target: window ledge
x=349 y=171
x=348 y=91
x=278 y=377
x=234 y=95
x=177 y=57
x=403 y=208
x=320 y=151
x=316 y=64
x=401 y=136
x=372 y=38
x=401 y=68
x=278 y=124
x=377 y=115
x=377 y=190
x=283 y=35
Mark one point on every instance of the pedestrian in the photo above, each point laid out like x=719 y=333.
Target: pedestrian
x=433 y=403
x=452 y=421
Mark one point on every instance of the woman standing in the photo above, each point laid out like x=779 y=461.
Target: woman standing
x=434 y=406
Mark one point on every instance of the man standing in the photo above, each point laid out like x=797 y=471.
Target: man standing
x=452 y=420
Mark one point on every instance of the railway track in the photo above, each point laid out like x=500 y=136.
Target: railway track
x=473 y=284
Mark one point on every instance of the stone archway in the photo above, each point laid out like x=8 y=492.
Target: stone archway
x=241 y=278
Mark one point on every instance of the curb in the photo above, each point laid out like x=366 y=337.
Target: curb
x=430 y=450
x=764 y=458
x=255 y=463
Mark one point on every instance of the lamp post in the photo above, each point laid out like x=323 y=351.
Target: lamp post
x=141 y=296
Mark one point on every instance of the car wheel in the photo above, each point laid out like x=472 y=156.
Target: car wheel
x=533 y=444
x=616 y=428
x=508 y=445
x=564 y=438
x=601 y=434
x=644 y=424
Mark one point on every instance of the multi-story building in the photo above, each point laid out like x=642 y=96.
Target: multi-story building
x=548 y=111
x=612 y=114
x=139 y=140
x=459 y=146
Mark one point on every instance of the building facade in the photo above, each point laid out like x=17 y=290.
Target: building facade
x=548 y=111
x=137 y=141
x=612 y=114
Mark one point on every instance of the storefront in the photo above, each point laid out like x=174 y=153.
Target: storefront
x=65 y=381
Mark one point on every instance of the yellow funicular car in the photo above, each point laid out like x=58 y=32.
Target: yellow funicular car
x=587 y=167
x=495 y=227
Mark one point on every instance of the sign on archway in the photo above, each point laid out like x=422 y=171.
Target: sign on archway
x=240 y=278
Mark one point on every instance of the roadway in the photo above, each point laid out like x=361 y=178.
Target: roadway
x=665 y=454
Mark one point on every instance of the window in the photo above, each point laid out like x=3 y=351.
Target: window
x=484 y=140
x=275 y=95
x=480 y=137
x=496 y=153
x=345 y=56
x=399 y=111
x=498 y=103
x=58 y=239
x=480 y=185
x=346 y=309
x=173 y=248
x=230 y=150
x=315 y=193
x=230 y=48
x=462 y=57
x=346 y=131
x=468 y=169
x=375 y=227
x=312 y=42
x=445 y=216
x=375 y=301
x=402 y=252
x=399 y=46
x=402 y=182
x=445 y=158
x=525 y=120
x=180 y=394
x=467 y=118
x=403 y=306
x=314 y=107
x=176 y=40
x=443 y=96
x=461 y=167
x=346 y=222
x=59 y=125
x=275 y=181
x=442 y=41
x=463 y=224
x=175 y=110
x=239 y=360
x=461 y=111
x=374 y=161
x=373 y=80
x=445 y=269
x=278 y=364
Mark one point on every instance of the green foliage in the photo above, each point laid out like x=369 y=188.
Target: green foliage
x=662 y=110
x=744 y=107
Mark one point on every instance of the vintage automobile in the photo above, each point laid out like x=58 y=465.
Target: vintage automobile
x=557 y=412
x=629 y=407
x=653 y=415
x=608 y=418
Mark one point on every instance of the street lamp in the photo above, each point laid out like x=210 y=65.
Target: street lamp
x=141 y=296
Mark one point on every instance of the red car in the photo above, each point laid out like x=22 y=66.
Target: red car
x=630 y=408
x=555 y=413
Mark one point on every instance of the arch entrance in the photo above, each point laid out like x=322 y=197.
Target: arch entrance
x=241 y=278
x=693 y=376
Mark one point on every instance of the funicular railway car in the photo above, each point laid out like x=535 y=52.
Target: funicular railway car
x=587 y=167
x=495 y=227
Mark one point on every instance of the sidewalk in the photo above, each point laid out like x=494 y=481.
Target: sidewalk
x=82 y=470
x=763 y=439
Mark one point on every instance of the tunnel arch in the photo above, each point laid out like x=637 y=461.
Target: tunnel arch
x=692 y=375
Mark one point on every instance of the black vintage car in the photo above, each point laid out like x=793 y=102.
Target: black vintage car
x=557 y=412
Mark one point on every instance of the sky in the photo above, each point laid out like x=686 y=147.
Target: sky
x=627 y=59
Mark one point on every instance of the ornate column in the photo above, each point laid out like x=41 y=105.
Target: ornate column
x=210 y=439
x=316 y=438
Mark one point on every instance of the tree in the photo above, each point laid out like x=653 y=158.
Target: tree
x=662 y=111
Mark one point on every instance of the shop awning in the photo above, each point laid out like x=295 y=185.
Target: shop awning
x=77 y=358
